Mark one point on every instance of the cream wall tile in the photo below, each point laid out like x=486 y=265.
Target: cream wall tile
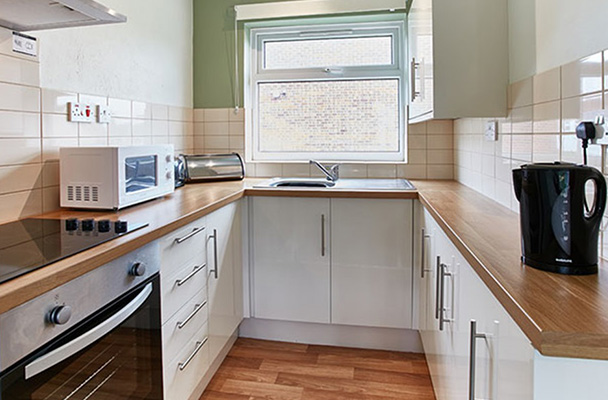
x=178 y=128
x=119 y=108
x=142 y=127
x=417 y=157
x=547 y=117
x=50 y=147
x=488 y=165
x=55 y=125
x=440 y=127
x=440 y=172
x=237 y=116
x=217 y=128
x=19 y=151
x=381 y=171
x=15 y=124
x=350 y=170
x=417 y=129
x=547 y=86
x=199 y=128
x=521 y=93
x=250 y=170
x=92 y=99
x=503 y=146
x=237 y=128
x=502 y=169
x=56 y=101
x=50 y=199
x=217 y=114
x=488 y=186
x=521 y=120
x=89 y=130
x=521 y=147
x=199 y=144
x=161 y=139
x=19 y=98
x=411 y=171
x=268 y=170
x=179 y=114
x=160 y=128
x=160 y=112
x=142 y=140
x=295 y=170
x=416 y=142
x=236 y=142
x=606 y=79
x=441 y=142
x=17 y=70
x=583 y=76
x=120 y=127
x=93 y=141
x=440 y=156
x=504 y=193
x=571 y=151
x=50 y=173
x=579 y=108
x=18 y=178
x=19 y=205
x=546 y=148
x=141 y=110
x=120 y=141
x=217 y=142
x=199 y=115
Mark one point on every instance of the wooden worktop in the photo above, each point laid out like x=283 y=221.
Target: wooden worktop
x=562 y=315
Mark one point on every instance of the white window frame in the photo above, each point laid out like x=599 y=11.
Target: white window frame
x=255 y=74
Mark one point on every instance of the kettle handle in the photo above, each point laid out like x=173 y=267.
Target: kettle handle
x=517 y=182
x=600 y=197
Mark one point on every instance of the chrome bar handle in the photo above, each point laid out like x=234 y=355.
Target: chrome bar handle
x=322 y=235
x=195 y=271
x=437 y=267
x=215 y=264
x=472 y=356
x=195 y=231
x=197 y=308
x=199 y=345
x=442 y=309
x=423 y=255
x=414 y=66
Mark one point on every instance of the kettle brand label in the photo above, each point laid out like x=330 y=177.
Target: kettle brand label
x=564 y=260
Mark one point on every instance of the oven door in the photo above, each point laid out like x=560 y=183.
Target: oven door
x=114 y=354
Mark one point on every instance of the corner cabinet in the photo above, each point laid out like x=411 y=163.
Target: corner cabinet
x=458 y=52
x=472 y=345
x=339 y=261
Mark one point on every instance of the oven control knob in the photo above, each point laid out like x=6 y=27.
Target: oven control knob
x=88 y=225
x=121 y=226
x=71 y=224
x=60 y=315
x=169 y=158
x=168 y=174
x=137 y=269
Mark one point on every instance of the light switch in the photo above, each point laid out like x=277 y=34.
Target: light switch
x=103 y=114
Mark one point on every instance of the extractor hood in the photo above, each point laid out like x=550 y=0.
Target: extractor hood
x=31 y=15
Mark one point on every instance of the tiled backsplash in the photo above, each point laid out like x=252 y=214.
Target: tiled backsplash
x=33 y=125
x=430 y=148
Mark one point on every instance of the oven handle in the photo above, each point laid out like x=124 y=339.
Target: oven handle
x=69 y=349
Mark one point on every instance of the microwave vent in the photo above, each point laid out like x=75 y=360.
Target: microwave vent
x=81 y=193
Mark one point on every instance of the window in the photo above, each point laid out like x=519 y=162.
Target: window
x=332 y=92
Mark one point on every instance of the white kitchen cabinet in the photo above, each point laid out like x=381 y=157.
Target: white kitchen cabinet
x=458 y=53
x=225 y=275
x=291 y=259
x=371 y=262
x=503 y=356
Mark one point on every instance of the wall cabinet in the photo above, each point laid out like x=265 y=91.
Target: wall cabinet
x=457 y=311
x=341 y=261
x=458 y=52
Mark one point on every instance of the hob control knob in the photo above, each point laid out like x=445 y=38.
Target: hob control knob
x=137 y=269
x=60 y=315
x=88 y=225
x=169 y=158
x=120 y=226
x=103 y=225
x=71 y=224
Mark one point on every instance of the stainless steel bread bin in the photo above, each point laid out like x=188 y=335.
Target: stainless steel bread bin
x=214 y=167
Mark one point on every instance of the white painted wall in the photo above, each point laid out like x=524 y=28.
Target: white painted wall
x=149 y=58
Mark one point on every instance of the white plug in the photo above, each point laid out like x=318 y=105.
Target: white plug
x=600 y=131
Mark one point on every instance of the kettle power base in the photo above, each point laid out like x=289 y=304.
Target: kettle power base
x=561 y=269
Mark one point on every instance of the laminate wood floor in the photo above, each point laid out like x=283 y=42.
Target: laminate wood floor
x=259 y=369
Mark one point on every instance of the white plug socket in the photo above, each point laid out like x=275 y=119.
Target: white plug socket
x=104 y=115
x=491 y=133
x=80 y=112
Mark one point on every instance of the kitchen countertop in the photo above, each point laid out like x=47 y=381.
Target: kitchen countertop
x=562 y=315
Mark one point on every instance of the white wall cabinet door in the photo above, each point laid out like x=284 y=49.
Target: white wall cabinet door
x=371 y=262
x=420 y=40
x=291 y=259
x=224 y=263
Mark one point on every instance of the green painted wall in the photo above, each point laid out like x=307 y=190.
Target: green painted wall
x=214 y=50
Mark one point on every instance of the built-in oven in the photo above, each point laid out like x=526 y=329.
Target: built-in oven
x=96 y=337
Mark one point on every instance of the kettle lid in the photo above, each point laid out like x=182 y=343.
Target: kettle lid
x=556 y=165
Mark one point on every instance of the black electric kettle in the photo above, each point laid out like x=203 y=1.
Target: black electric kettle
x=559 y=230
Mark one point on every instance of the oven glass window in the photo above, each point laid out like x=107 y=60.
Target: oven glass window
x=140 y=173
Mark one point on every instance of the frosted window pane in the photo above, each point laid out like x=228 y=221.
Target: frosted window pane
x=314 y=53
x=329 y=116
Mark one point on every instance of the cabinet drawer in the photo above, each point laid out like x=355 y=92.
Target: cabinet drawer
x=178 y=289
x=184 y=324
x=183 y=373
x=182 y=245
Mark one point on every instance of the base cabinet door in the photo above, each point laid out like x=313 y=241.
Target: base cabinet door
x=371 y=269
x=291 y=259
x=224 y=280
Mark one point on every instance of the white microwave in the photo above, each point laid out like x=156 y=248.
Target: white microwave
x=111 y=178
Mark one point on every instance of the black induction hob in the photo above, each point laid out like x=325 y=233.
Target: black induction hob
x=33 y=243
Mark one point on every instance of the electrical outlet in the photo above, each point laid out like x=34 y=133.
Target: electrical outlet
x=104 y=115
x=80 y=112
x=491 y=133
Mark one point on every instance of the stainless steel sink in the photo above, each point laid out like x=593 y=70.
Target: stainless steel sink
x=352 y=184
